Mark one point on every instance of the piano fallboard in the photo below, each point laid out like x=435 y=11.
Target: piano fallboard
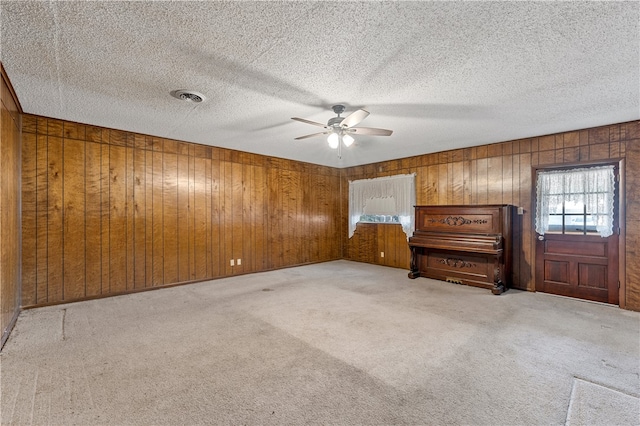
x=464 y=244
x=467 y=242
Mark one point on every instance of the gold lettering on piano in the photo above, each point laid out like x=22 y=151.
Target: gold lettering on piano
x=457 y=221
x=456 y=263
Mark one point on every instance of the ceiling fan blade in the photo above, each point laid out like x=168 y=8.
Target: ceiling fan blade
x=370 y=131
x=354 y=118
x=314 y=123
x=310 y=136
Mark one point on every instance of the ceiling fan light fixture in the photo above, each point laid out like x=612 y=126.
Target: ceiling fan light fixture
x=347 y=140
x=333 y=140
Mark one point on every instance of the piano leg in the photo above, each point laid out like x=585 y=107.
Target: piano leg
x=414 y=272
x=498 y=286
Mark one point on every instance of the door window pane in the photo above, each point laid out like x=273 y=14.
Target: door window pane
x=575 y=201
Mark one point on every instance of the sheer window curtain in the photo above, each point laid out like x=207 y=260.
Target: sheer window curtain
x=402 y=188
x=594 y=187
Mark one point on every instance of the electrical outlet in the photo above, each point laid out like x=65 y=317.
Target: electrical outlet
x=231 y=262
x=239 y=262
x=520 y=210
x=381 y=254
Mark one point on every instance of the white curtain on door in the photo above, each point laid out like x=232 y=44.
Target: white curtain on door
x=402 y=188
x=594 y=187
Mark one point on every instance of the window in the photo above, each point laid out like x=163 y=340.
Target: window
x=576 y=201
x=383 y=200
x=380 y=210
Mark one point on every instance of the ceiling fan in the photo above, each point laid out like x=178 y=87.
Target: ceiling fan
x=340 y=129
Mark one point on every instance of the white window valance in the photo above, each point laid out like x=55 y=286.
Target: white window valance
x=401 y=188
x=593 y=187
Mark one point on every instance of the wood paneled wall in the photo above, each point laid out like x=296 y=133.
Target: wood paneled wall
x=108 y=212
x=371 y=240
x=10 y=244
x=501 y=173
x=632 y=225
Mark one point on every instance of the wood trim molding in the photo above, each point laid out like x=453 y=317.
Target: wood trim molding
x=5 y=77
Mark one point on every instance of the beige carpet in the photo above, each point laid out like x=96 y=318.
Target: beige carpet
x=593 y=404
x=333 y=343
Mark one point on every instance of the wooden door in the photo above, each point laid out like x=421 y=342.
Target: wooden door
x=572 y=259
x=581 y=266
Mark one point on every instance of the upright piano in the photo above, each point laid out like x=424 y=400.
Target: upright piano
x=470 y=245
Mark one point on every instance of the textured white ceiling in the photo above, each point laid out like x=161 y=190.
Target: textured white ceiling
x=442 y=75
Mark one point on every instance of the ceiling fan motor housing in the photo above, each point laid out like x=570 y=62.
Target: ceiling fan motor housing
x=335 y=121
x=338 y=109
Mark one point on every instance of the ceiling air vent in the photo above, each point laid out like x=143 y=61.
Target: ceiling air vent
x=188 y=95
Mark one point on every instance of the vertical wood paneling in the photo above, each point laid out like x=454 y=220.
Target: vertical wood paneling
x=29 y=219
x=467 y=183
x=216 y=220
x=158 y=219
x=42 y=212
x=185 y=251
x=275 y=217
x=422 y=185
x=105 y=212
x=139 y=219
x=237 y=216
x=304 y=202
x=527 y=267
x=632 y=296
x=93 y=219
x=288 y=227
x=192 y=216
x=443 y=184
x=269 y=212
x=316 y=217
x=474 y=182
x=293 y=230
x=320 y=218
x=507 y=179
x=482 y=181
x=202 y=237
x=381 y=245
x=325 y=203
x=117 y=219
x=516 y=275
x=335 y=227
x=74 y=219
x=129 y=212
x=457 y=181
x=433 y=189
x=208 y=196
x=402 y=247
x=248 y=226
x=494 y=181
x=262 y=219
x=55 y=236
x=11 y=223
x=226 y=179
x=170 y=217
x=148 y=218
x=393 y=242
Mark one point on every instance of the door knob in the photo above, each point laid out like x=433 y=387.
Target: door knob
x=541 y=237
